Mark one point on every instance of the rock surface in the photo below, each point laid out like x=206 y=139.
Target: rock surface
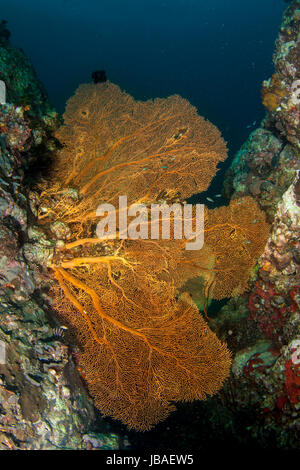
x=263 y=327
x=43 y=403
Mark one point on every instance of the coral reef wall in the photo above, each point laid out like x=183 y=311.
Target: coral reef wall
x=266 y=164
x=263 y=327
x=43 y=404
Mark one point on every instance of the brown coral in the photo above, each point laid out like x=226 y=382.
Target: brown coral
x=273 y=92
x=144 y=346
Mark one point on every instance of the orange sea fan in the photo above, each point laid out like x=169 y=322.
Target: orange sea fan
x=236 y=235
x=141 y=348
x=144 y=344
x=114 y=145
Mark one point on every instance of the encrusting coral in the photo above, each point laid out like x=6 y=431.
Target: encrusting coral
x=273 y=92
x=144 y=345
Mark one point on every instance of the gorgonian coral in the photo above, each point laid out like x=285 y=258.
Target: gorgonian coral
x=144 y=345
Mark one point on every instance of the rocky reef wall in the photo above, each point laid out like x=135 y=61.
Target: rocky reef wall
x=43 y=403
x=263 y=327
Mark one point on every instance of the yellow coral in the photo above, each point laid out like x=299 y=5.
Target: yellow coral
x=273 y=92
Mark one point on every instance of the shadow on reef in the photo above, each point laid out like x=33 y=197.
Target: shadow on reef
x=198 y=427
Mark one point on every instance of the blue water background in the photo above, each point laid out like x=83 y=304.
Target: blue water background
x=215 y=53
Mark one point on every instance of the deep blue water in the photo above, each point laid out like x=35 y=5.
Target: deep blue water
x=215 y=53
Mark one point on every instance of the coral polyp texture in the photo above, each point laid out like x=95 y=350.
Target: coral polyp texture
x=144 y=345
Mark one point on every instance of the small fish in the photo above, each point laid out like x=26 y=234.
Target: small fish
x=251 y=125
x=59 y=331
x=218 y=195
x=210 y=199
